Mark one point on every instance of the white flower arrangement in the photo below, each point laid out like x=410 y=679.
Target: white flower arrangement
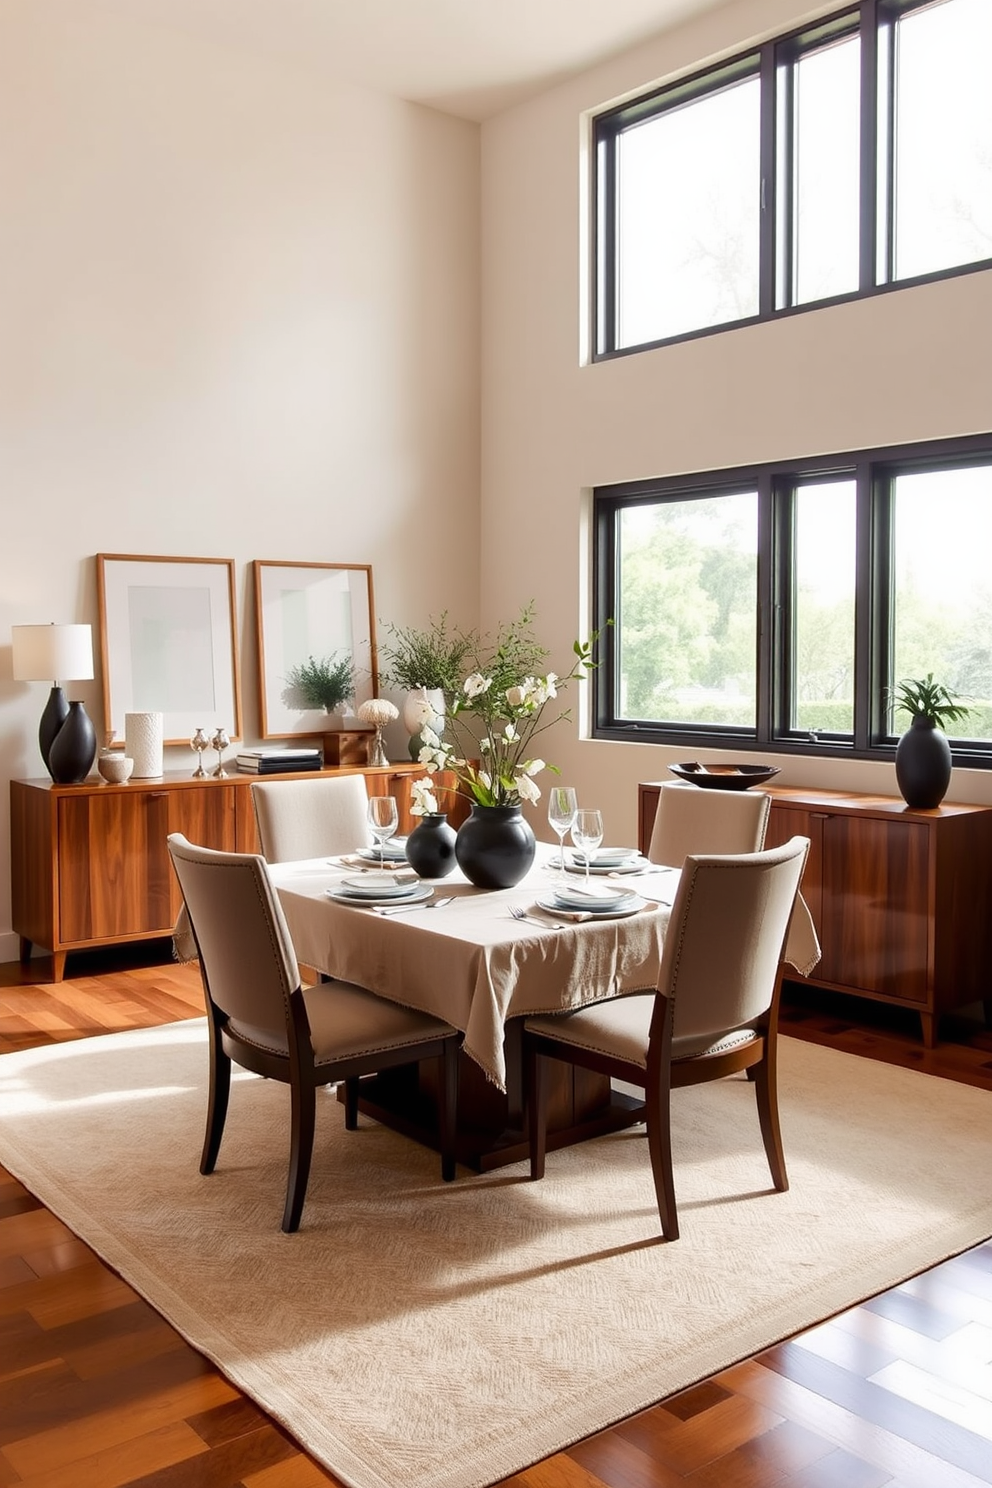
x=378 y=712
x=510 y=708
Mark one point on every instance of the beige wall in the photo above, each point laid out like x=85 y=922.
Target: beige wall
x=238 y=318
x=909 y=365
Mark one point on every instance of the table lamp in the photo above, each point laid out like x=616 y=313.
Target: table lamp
x=44 y=653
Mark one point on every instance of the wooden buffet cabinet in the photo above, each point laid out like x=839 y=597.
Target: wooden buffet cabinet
x=90 y=865
x=902 y=899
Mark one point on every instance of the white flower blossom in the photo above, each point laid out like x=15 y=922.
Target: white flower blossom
x=526 y=789
x=424 y=799
x=510 y=734
x=533 y=767
x=476 y=685
x=516 y=696
x=428 y=735
x=486 y=779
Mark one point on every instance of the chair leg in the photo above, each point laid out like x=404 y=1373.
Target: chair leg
x=660 y=1151
x=448 y=1115
x=536 y=1087
x=217 y=1101
x=351 y=1104
x=766 y=1093
x=304 y=1105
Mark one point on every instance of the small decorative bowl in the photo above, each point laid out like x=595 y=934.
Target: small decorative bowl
x=724 y=777
x=115 y=768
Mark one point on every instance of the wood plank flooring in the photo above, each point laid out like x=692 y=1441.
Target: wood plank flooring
x=97 y=1391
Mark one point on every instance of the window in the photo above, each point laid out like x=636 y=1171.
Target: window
x=776 y=607
x=836 y=161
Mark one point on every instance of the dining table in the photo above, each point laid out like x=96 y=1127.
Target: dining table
x=473 y=963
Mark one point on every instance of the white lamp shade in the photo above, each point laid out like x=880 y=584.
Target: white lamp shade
x=50 y=653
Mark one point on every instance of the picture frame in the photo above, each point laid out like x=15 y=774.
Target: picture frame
x=311 y=610
x=168 y=643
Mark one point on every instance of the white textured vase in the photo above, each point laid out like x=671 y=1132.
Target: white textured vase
x=143 y=744
x=418 y=700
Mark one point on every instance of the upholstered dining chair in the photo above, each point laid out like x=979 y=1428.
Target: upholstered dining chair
x=260 y=1017
x=693 y=820
x=299 y=819
x=714 y=1013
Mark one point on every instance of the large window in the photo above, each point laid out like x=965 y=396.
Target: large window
x=776 y=607
x=836 y=161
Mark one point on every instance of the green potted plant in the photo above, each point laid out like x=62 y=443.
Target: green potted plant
x=923 y=755
x=430 y=665
x=325 y=683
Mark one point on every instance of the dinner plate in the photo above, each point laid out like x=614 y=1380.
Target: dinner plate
x=569 y=898
x=635 y=864
x=627 y=906
x=415 y=895
x=384 y=885
x=395 y=851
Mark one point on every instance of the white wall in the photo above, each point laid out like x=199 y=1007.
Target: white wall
x=238 y=318
x=909 y=365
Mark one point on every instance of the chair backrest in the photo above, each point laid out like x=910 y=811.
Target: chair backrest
x=310 y=818
x=726 y=936
x=246 y=952
x=693 y=820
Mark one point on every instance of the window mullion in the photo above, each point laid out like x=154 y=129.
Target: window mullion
x=769 y=185
x=870 y=606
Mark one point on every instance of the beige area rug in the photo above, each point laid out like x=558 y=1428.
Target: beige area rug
x=421 y=1335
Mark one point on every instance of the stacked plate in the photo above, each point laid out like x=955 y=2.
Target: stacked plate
x=604 y=860
x=393 y=851
x=379 y=888
x=607 y=901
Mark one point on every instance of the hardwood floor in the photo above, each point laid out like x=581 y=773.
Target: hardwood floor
x=97 y=1391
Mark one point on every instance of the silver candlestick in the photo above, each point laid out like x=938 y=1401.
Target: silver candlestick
x=220 y=742
x=199 y=743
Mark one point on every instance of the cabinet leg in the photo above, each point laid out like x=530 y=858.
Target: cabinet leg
x=58 y=965
x=928 y=1022
x=25 y=950
x=987 y=1010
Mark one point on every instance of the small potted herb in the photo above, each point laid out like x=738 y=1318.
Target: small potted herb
x=430 y=665
x=923 y=755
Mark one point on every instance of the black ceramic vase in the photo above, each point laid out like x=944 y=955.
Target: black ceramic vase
x=73 y=750
x=54 y=716
x=495 y=847
x=430 y=847
x=923 y=764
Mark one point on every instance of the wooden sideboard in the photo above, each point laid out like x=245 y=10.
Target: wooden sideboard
x=90 y=865
x=902 y=899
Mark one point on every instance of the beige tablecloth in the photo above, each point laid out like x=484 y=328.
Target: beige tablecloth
x=470 y=962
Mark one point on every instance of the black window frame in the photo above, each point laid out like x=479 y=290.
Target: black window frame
x=875 y=22
x=873 y=472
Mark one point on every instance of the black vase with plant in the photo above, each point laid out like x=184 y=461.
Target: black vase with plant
x=923 y=755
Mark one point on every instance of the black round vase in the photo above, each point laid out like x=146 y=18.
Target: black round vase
x=73 y=750
x=430 y=847
x=923 y=764
x=495 y=847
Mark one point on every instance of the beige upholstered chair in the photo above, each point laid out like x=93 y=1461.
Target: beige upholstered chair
x=693 y=820
x=261 y=1018
x=310 y=818
x=715 y=1011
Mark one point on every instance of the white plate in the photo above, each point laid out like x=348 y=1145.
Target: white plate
x=614 y=912
x=415 y=895
x=395 y=852
x=565 y=900
x=381 y=885
x=636 y=864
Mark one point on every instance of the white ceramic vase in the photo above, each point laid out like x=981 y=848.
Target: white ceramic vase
x=143 y=744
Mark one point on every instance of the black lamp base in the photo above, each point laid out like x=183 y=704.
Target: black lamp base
x=73 y=748
x=55 y=714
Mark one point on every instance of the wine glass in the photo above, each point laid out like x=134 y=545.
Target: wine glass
x=587 y=834
x=383 y=821
x=561 y=814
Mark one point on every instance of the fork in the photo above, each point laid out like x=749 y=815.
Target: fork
x=521 y=914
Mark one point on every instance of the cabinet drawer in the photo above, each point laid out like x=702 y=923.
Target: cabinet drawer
x=113 y=865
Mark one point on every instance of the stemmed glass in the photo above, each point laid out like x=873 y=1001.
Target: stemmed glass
x=383 y=821
x=561 y=814
x=587 y=834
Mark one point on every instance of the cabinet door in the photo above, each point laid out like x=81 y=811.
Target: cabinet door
x=113 y=865
x=875 y=929
x=206 y=815
x=786 y=822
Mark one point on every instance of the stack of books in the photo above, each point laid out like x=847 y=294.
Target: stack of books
x=279 y=761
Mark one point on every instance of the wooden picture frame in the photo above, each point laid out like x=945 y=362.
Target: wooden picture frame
x=168 y=643
x=304 y=610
